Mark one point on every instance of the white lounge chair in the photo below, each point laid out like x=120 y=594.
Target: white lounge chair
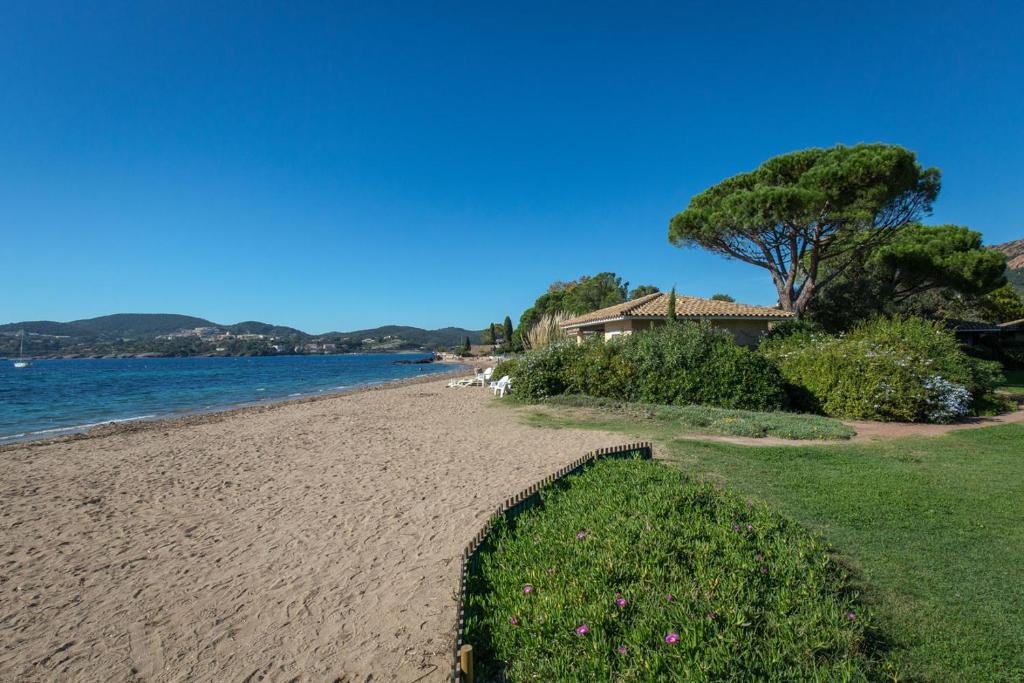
x=501 y=386
x=464 y=382
x=487 y=374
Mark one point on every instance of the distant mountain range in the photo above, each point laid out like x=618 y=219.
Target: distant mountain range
x=169 y=334
x=138 y=326
x=1014 y=250
x=428 y=339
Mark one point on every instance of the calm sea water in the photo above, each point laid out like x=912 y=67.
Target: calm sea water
x=53 y=397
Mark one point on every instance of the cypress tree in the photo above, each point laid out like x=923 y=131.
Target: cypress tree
x=507 y=332
x=672 y=305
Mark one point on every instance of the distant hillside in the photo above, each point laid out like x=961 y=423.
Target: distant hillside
x=446 y=336
x=1014 y=250
x=142 y=325
x=167 y=334
x=256 y=327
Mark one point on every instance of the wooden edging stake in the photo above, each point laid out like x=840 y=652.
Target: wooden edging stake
x=466 y=662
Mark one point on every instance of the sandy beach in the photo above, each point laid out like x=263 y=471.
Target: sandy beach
x=315 y=540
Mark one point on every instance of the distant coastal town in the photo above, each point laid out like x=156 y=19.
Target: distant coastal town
x=149 y=335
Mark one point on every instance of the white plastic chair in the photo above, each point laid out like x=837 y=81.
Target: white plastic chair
x=501 y=386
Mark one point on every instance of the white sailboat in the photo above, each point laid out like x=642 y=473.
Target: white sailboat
x=21 y=361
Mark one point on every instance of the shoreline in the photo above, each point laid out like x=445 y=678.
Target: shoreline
x=148 y=355
x=312 y=539
x=200 y=416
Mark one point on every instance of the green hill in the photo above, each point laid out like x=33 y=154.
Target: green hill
x=256 y=327
x=134 y=333
x=1016 y=278
x=119 y=325
x=446 y=336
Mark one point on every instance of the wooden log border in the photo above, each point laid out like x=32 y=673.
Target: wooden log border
x=512 y=507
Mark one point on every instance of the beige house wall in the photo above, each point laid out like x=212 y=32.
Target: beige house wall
x=745 y=332
x=617 y=327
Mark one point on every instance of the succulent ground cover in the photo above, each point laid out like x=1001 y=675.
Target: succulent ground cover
x=629 y=571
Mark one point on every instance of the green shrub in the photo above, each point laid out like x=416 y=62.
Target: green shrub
x=674 y=580
x=505 y=367
x=697 y=363
x=600 y=370
x=789 y=328
x=681 y=364
x=1011 y=354
x=985 y=375
x=909 y=370
x=544 y=372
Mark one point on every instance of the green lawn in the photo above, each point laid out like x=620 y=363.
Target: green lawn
x=932 y=527
x=1014 y=381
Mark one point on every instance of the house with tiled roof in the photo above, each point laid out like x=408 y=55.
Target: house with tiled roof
x=746 y=323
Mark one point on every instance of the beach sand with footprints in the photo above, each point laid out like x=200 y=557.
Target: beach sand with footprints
x=314 y=540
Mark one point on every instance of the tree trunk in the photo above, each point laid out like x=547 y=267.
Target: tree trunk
x=785 y=290
x=790 y=299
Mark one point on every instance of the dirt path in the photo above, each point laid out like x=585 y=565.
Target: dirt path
x=312 y=541
x=866 y=432
x=869 y=431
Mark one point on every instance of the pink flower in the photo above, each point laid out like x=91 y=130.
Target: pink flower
x=669 y=597
x=582 y=630
x=851 y=615
x=513 y=620
x=527 y=588
x=621 y=602
x=672 y=638
x=712 y=615
x=582 y=534
x=764 y=570
x=622 y=649
x=750 y=527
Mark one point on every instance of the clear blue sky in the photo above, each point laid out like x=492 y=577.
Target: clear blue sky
x=334 y=166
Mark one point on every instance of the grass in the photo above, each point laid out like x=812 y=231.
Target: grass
x=1014 y=382
x=627 y=571
x=932 y=527
x=695 y=419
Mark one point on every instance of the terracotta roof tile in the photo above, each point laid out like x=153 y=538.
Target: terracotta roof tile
x=656 y=306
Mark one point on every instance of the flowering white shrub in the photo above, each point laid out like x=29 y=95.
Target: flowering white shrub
x=947 y=401
x=907 y=370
